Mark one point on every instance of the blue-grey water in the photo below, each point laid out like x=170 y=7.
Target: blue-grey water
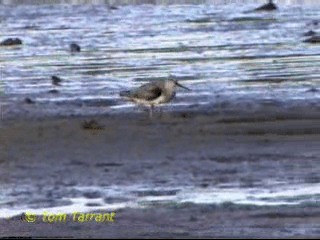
x=221 y=51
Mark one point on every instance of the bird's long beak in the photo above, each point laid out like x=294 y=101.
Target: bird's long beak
x=179 y=85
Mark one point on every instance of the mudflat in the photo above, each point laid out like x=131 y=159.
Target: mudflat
x=175 y=149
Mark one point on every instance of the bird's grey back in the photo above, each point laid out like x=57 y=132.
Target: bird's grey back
x=148 y=91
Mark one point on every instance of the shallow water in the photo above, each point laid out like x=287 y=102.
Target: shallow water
x=139 y=196
x=220 y=51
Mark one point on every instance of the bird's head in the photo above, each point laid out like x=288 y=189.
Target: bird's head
x=174 y=83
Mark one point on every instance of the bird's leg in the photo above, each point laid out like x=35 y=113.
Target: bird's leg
x=151 y=111
x=140 y=108
x=160 y=110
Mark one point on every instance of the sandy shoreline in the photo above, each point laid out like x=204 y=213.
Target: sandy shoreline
x=202 y=150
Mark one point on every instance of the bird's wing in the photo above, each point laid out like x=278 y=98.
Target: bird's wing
x=147 y=92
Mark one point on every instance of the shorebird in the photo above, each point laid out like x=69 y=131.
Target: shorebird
x=153 y=93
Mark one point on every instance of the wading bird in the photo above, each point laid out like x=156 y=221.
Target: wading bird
x=153 y=93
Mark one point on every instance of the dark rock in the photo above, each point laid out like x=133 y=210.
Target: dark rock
x=54 y=91
x=93 y=204
x=92 y=195
x=313 y=90
x=313 y=39
x=113 y=8
x=313 y=23
x=109 y=164
x=309 y=33
x=11 y=42
x=204 y=185
x=156 y=193
x=193 y=218
x=74 y=47
x=92 y=125
x=56 y=80
x=270 y=6
x=185 y=115
x=28 y=100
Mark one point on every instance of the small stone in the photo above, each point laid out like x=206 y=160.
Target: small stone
x=92 y=125
x=313 y=90
x=28 y=100
x=270 y=6
x=204 y=185
x=193 y=218
x=93 y=204
x=74 y=47
x=309 y=33
x=56 y=80
x=92 y=195
x=53 y=91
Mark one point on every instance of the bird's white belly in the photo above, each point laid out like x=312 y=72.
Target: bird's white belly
x=157 y=101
